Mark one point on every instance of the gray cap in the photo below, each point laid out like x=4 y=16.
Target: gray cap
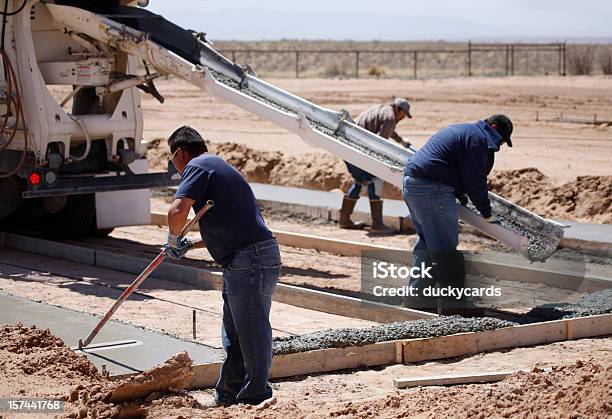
x=403 y=105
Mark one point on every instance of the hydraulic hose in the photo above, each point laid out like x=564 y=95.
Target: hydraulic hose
x=15 y=101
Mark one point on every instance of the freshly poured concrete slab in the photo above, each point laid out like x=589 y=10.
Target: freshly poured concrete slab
x=122 y=348
x=331 y=200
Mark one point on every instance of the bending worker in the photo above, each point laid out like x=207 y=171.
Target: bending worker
x=453 y=164
x=381 y=120
x=237 y=238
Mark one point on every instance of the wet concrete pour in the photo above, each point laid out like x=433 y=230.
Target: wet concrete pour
x=599 y=302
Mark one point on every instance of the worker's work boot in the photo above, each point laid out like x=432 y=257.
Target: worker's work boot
x=348 y=205
x=378 y=227
x=419 y=300
x=450 y=271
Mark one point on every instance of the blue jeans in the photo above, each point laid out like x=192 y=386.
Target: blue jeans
x=249 y=280
x=363 y=178
x=435 y=214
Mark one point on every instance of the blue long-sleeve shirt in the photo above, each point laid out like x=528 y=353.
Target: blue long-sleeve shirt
x=460 y=156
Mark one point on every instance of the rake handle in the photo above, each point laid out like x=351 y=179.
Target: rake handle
x=140 y=279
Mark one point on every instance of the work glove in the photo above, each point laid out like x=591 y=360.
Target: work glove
x=406 y=144
x=463 y=199
x=492 y=220
x=177 y=246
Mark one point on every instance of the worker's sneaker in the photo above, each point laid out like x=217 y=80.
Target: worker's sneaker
x=348 y=205
x=378 y=227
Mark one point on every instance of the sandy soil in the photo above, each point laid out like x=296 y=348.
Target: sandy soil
x=35 y=363
x=560 y=151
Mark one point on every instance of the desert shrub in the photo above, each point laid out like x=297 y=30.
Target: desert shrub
x=605 y=59
x=580 y=59
x=376 y=71
x=334 y=70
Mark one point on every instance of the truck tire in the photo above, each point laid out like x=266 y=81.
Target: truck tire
x=75 y=220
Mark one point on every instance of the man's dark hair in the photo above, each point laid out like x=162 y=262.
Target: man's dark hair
x=187 y=139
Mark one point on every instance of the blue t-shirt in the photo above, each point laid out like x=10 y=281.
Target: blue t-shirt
x=234 y=222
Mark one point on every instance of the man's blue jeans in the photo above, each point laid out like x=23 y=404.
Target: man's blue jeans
x=363 y=178
x=435 y=215
x=249 y=281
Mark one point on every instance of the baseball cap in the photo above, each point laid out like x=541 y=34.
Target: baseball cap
x=504 y=126
x=403 y=105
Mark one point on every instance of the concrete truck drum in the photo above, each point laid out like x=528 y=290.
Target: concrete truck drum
x=237 y=238
x=381 y=120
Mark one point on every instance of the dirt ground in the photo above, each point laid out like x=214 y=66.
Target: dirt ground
x=37 y=364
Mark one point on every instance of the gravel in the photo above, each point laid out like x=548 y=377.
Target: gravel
x=340 y=338
x=599 y=302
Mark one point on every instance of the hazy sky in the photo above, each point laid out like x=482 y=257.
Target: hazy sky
x=390 y=20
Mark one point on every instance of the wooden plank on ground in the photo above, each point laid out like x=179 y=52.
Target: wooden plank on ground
x=311 y=362
x=452 y=379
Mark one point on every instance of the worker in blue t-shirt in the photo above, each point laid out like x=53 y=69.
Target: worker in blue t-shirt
x=237 y=238
x=453 y=165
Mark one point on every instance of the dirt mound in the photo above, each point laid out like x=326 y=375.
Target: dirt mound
x=175 y=373
x=312 y=171
x=20 y=339
x=34 y=363
x=37 y=352
x=577 y=390
x=588 y=198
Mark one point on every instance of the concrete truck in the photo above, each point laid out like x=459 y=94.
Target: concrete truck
x=75 y=165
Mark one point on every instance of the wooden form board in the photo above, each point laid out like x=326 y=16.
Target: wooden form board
x=473 y=265
x=452 y=379
x=416 y=350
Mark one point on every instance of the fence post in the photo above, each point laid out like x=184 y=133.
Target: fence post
x=297 y=64
x=356 y=64
x=469 y=58
x=564 y=59
x=512 y=58
x=507 y=59
x=560 y=56
x=233 y=56
x=416 y=59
